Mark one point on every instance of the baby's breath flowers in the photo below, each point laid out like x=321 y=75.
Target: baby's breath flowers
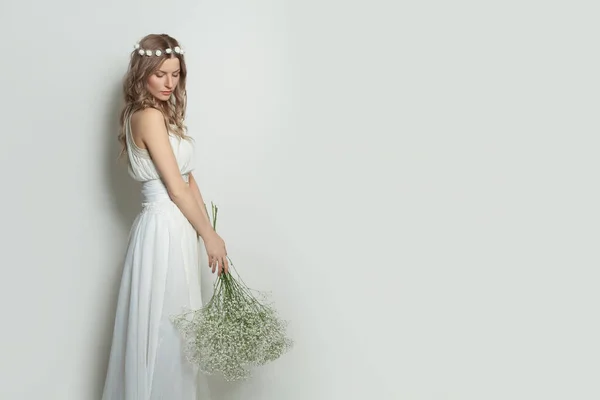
x=236 y=330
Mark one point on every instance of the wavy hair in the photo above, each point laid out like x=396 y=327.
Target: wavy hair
x=136 y=95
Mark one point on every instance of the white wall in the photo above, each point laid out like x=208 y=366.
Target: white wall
x=416 y=184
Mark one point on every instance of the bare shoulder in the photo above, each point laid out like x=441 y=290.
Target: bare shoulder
x=148 y=118
x=147 y=124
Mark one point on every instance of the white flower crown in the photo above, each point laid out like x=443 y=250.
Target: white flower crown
x=158 y=53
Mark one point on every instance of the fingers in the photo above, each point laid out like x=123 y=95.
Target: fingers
x=216 y=264
x=219 y=263
x=212 y=264
x=225 y=265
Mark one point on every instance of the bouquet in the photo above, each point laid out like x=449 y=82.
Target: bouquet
x=236 y=330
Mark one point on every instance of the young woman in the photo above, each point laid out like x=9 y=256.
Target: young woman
x=160 y=275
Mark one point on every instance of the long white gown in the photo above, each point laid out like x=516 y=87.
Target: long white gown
x=160 y=277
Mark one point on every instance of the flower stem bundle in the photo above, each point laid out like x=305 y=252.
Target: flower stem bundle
x=236 y=330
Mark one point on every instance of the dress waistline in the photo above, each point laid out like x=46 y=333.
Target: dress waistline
x=155 y=190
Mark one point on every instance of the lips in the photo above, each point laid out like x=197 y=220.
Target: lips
x=166 y=93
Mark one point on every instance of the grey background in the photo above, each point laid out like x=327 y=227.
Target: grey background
x=415 y=182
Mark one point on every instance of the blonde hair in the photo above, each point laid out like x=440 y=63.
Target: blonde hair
x=136 y=95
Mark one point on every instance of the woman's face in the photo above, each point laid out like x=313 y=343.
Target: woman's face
x=164 y=80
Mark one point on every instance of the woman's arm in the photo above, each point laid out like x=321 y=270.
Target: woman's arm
x=197 y=195
x=149 y=126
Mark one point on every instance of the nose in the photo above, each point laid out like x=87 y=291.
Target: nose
x=169 y=82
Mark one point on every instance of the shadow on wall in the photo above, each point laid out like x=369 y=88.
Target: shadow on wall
x=123 y=194
x=124 y=191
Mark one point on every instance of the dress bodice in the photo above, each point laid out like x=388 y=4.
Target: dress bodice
x=142 y=168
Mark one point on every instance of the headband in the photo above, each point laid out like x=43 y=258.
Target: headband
x=158 y=53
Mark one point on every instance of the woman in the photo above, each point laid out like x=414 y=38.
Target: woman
x=160 y=276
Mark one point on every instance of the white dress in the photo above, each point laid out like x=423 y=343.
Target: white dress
x=160 y=277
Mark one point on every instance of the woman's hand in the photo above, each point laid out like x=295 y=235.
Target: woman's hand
x=217 y=254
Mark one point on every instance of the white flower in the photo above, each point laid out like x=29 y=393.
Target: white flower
x=168 y=51
x=177 y=49
x=148 y=52
x=158 y=53
x=137 y=46
x=142 y=52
